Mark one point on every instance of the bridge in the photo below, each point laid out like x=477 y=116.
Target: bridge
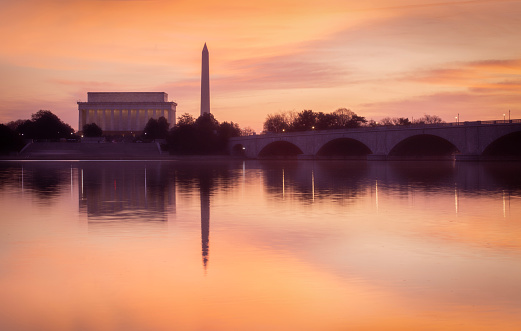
x=479 y=140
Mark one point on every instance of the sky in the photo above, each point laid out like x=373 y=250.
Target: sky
x=379 y=58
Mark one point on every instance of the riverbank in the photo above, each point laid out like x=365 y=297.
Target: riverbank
x=102 y=151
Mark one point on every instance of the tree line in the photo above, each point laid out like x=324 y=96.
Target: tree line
x=309 y=120
x=42 y=125
x=204 y=135
x=341 y=118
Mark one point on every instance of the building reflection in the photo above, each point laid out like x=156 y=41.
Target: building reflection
x=130 y=192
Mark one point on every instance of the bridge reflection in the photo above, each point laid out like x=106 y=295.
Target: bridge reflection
x=111 y=194
x=343 y=180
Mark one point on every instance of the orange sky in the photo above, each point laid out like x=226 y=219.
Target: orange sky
x=377 y=57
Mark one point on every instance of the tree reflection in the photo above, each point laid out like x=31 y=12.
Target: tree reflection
x=46 y=180
x=344 y=180
x=307 y=181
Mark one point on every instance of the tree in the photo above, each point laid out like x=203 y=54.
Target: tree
x=203 y=136
x=276 y=123
x=356 y=121
x=185 y=119
x=372 y=123
x=309 y=120
x=346 y=118
x=206 y=127
x=402 y=121
x=225 y=132
x=163 y=127
x=13 y=125
x=429 y=119
x=305 y=121
x=386 y=121
x=156 y=129
x=326 y=121
x=343 y=117
x=44 y=125
x=247 y=131
x=395 y=121
x=207 y=122
x=182 y=139
x=92 y=130
x=10 y=141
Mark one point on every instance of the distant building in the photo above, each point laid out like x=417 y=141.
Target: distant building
x=205 y=81
x=125 y=112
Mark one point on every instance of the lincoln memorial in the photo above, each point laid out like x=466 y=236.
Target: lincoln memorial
x=125 y=112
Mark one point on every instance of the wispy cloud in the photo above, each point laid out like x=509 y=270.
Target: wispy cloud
x=499 y=74
x=470 y=106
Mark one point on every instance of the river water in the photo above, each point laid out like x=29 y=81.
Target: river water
x=301 y=245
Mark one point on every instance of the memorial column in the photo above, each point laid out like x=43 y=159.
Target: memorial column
x=112 y=119
x=172 y=122
x=120 y=121
x=129 y=124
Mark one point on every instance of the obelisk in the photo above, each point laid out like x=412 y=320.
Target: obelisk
x=205 y=82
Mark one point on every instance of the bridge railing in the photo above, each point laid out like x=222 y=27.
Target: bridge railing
x=413 y=125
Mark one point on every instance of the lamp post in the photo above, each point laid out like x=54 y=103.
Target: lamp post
x=504 y=121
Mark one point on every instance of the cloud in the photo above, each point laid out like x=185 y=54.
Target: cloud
x=492 y=75
x=282 y=72
x=470 y=106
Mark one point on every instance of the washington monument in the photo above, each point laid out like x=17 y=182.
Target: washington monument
x=205 y=82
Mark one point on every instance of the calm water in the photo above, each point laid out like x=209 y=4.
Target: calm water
x=260 y=246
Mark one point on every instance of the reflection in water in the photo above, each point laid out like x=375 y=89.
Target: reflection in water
x=349 y=245
x=204 y=189
x=376 y=193
x=456 y=198
x=123 y=192
x=313 y=184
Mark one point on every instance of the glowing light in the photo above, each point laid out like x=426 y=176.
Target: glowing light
x=312 y=185
x=456 y=199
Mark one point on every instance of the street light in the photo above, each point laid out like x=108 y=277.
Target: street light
x=504 y=118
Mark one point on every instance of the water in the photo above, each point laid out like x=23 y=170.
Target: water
x=260 y=246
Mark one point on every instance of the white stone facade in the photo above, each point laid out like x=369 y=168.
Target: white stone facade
x=125 y=112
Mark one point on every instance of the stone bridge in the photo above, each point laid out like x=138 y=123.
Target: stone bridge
x=462 y=141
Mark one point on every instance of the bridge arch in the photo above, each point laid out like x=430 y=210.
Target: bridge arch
x=423 y=145
x=343 y=147
x=280 y=149
x=507 y=145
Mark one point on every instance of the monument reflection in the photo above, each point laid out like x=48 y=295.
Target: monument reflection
x=114 y=193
